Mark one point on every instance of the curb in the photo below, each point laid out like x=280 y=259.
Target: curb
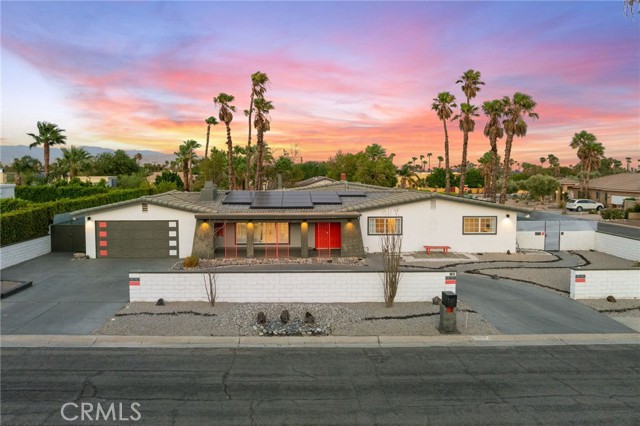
x=69 y=341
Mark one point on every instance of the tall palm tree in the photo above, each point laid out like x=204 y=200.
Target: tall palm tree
x=542 y=161
x=471 y=83
x=590 y=152
x=74 y=160
x=262 y=123
x=406 y=174
x=223 y=102
x=259 y=82
x=440 y=160
x=628 y=160
x=24 y=165
x=192 y=145
x=467 y=125
x=443 y=106
x=487 y=164
x=515 y=111
x=429 y=154
x=184 y=156
x=211 y=121
x=49 y=134
x=493 y=130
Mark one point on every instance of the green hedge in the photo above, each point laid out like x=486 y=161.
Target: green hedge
x=10 y=204
x=45 y=193
x=33 y=221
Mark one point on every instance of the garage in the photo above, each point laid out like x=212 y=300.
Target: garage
x=143 y=239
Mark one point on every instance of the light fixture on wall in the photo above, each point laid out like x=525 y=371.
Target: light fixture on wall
x=88 y=217
x=508 y=215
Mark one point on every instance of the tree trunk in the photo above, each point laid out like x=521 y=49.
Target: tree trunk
x=495 y=166
x=206 y=147
x=463 y=166
x=248 y=166
x=447 y=172
x=45 y=147
x=259 y=161
x=586 y=181
x=185 y=174
x=232 y=179
x=507 y=168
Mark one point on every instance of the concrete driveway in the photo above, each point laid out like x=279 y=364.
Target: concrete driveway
x=69 y=296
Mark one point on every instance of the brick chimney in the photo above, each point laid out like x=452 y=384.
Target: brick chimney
x=343 y=176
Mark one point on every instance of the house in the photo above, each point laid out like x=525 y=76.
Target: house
x=332 y=219
x=611 y=190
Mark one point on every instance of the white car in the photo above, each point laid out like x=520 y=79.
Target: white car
x=583 y=204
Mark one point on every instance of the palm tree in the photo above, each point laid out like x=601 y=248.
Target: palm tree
x=262 y=124
x=554 y=163
x=471 y=83
x=211 y=121
x=487 y=164
x=443 y=106
x=440 y=160
x=223 y=102
x=590 y=152
x=74 y=160
x=405 y=174
x=429 y=154
x=259 y=82
x=494 y=131
x=628 y=160
x=138 y=157
x=48 y=134
x=467 y=125
x=542 y=160
x=374 y=152
x=515 y=111
x=630 y=7
x=192 y=145
x=184 y=156
x=24 y=165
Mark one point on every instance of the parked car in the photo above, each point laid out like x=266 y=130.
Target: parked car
x=582 y=204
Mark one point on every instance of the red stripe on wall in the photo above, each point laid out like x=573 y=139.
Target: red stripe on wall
x=102 y=234
x=103 y=243
x=581 y=280
x=102 y=224
x=103 y=252
x=134 y=283
x=449 y=281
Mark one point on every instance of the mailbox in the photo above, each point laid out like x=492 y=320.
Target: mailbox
x=449 y=299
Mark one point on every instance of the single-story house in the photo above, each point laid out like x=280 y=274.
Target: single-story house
x=610 y=190
x=336 y=218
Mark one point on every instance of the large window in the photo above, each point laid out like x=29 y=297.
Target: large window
x=385 y=226
x=479 y=224
x=264 y=233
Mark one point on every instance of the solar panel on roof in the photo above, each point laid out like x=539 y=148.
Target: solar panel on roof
x=351 y=194
x=293 y=200
x=325 y=198
x=239 y=197
x=267 y=200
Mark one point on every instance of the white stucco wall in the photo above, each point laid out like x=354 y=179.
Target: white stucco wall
x=598 y=284
x=26 y=250
x=186 y=224
x=578 y=240
x=439 y=222
x=626 y=248
x=7 y=190
x=304 y=287
x=529 y=240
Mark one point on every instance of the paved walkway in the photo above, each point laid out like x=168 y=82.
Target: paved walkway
x=68 y=296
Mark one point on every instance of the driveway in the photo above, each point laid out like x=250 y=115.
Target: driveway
x=69 y=296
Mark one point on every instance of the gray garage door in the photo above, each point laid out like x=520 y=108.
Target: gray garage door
x=136 y=238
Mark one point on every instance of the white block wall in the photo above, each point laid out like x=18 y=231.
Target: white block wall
x=625 y=248
x=577 y=240
x=325 y=287
x=598 y=284
x=529 y=240
x=26 y=250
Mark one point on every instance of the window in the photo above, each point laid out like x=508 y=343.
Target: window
x=479 y=225
x=385 y=226
x=264 y=233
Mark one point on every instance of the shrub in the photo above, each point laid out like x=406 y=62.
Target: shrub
x=191 y=261
x=45 y=193
x=610 y=214
x=165 y=186
x=562 y=204
x=33 y=221
x=11 y=204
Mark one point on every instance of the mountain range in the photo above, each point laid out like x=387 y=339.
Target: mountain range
x=8 y=153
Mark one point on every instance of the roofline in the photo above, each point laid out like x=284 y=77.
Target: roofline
x=279 y=216
x=144 y=199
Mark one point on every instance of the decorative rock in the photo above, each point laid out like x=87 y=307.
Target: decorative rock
x=262 y=318
x=436 y=300
x=611 y=299
x=160 y=302
x=308 y=318
x=284 y=316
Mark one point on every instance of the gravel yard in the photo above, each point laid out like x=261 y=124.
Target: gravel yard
x=554 y=278
x=237 y=319
x=619 y=308
x=604 y=261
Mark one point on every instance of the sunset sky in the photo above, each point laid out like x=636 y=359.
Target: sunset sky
x=142 y=75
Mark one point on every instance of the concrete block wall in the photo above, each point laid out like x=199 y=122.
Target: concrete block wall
x=26 y=250
x=529 y=240
x=306 y=287
x=626 y=248
x=598 y=284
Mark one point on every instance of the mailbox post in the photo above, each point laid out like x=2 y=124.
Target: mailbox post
x=448 y=313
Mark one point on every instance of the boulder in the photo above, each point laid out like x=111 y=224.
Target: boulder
x=436 y=300
x=284 y=316
x=160 y=302
x=262 y=318
x=308 y=318
x=611 y=299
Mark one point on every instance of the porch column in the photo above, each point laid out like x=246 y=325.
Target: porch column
x=304 y=239
x=250 y=252
x=203 y=240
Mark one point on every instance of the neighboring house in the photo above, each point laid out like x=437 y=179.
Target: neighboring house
x=110 y=181
x=314 y=181
x=611 y=190
x=335 y=218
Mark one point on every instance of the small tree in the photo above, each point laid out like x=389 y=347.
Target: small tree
x=540 y=186
x=391 y=248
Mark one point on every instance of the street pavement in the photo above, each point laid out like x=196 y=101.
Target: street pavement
x=549 y=385
x=68 y=296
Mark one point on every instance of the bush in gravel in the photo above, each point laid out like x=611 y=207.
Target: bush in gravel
x=191 y=261
x=610 y=214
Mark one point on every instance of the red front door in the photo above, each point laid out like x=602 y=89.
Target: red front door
x=328 y=235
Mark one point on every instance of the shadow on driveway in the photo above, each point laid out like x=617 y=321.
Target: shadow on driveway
x=69 y=296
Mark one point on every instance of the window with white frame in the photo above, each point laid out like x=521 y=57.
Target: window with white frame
x=264 y=233
x=479 y=225
x=385 y=226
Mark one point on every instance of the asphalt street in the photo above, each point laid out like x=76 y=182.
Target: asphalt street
x=586 y=385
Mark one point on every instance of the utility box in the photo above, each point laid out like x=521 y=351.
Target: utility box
x=448 y=313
